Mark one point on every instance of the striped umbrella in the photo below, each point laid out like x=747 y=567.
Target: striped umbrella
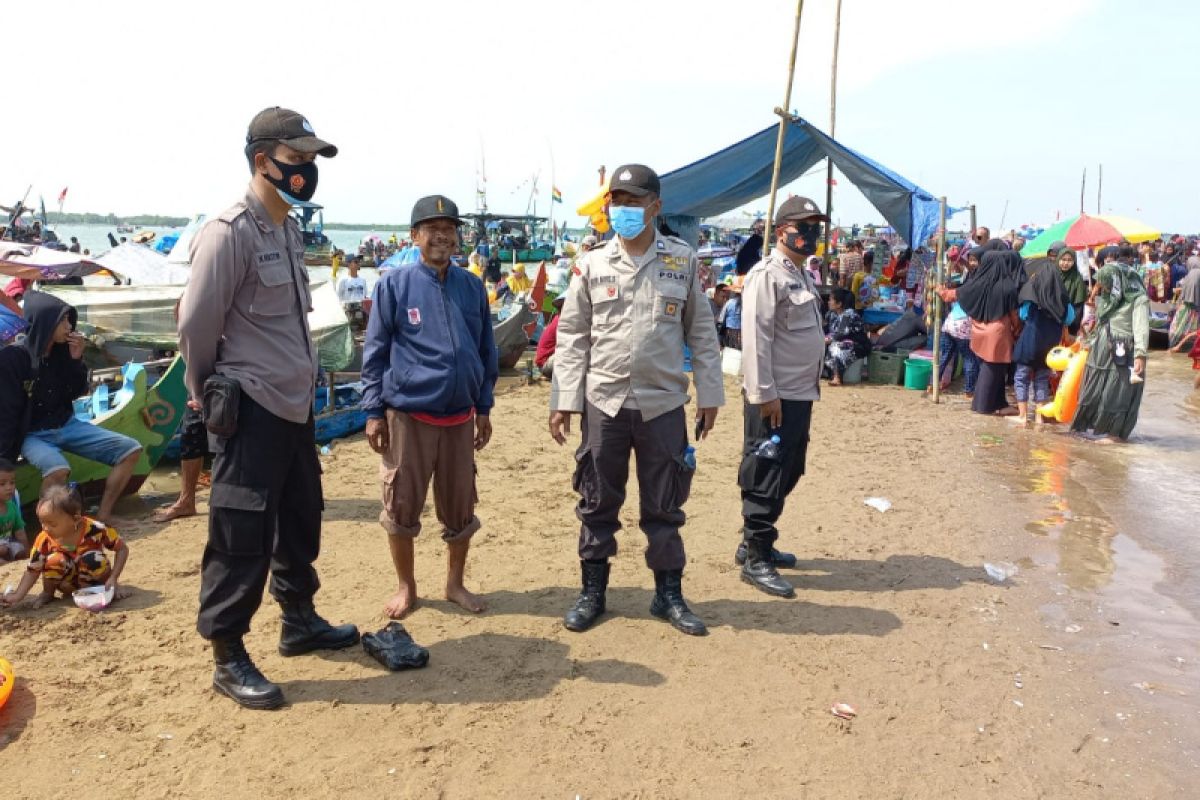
x=1088 y=231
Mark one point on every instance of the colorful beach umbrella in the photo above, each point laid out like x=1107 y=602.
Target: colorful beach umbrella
x=1088 y=231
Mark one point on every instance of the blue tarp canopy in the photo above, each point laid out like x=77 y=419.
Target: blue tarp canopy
x=741 y=173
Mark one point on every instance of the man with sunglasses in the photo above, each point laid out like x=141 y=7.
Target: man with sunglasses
x=783 y=345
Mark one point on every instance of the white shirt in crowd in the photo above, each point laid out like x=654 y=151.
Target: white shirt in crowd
x=352 y=290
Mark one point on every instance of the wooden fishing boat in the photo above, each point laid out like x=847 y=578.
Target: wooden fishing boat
x=513 y=334
x=148 y=414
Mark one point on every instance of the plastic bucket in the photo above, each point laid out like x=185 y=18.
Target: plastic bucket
x=916 y=373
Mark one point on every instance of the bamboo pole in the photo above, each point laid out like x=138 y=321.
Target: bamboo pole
x=972 y=222
x=837 y=35
x=939 y=273
x=784 y=120
x=1082 y=189
x=1099 y=187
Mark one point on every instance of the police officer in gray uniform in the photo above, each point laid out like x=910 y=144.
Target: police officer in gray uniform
x=244 y=319
x=783 y=344
x=630 y=308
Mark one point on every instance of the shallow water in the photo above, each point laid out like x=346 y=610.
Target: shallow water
x=1117 y=527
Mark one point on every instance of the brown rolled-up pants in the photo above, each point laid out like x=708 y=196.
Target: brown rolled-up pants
x=418 y=452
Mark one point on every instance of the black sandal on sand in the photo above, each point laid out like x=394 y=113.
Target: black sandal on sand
x=394 y=648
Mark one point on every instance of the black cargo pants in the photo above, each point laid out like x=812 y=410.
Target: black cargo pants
x=664 y=481
x=264 y=516
x=766 y=483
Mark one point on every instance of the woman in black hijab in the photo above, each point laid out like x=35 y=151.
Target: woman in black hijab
x=989 y=296
x=1045 y=309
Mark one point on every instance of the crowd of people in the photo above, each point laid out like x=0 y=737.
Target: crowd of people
x=429 y=373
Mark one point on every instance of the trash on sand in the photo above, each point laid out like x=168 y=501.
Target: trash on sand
x=1000 y=571
x=325 y=450
x=843 y=710
x=1018 y=704
x=166 y=736
x=1049 y=647
x=880 y=504
x=1073 y=629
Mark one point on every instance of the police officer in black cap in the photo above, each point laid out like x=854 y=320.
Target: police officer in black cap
x=243 y=324
x=630 y=309
x=783 y=345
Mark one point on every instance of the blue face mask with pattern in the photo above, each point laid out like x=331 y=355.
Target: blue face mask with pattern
x=627 y=221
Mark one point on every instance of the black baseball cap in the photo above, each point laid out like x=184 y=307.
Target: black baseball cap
x=289 y=127
x=798 y=209
x=435 y=206
x=636 y=179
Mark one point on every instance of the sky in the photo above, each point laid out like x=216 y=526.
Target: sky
x=142 y=107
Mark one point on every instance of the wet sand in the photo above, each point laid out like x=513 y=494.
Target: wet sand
x=955 y=693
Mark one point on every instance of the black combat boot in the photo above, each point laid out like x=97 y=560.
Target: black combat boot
x=237 y=678
x=759 y=572
x=778 y=558
x=304 y=630
x=668 y=603
x=590 y=604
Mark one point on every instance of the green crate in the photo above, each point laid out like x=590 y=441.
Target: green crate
x=887 y=368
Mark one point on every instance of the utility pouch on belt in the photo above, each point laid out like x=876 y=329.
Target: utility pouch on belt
x=221 y=398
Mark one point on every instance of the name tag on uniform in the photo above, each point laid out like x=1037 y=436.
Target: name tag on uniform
x=599 y=279
x=268 y=258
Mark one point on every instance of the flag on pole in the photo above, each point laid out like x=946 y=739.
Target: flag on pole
x=833 y=181
x=555 y=194
x=62 y=196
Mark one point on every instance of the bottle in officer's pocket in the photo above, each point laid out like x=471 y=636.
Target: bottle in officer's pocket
x=769 y=449
x=689 y=458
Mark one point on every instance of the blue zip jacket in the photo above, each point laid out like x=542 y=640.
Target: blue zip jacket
x=429 y=346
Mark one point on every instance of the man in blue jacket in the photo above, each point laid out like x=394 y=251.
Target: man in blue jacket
x=430 y=368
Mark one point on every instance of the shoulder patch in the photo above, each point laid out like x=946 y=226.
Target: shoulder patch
x=233 y=212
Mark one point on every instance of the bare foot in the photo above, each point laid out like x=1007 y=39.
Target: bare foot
x=121 y=593
x=836 y=382
x=402 y=602
x=460 y=596
x=174 y=511
x=41 y=600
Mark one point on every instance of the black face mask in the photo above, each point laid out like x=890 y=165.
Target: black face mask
x=804 y=241
x=298 y=181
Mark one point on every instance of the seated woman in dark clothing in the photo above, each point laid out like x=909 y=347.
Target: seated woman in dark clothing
x=845 y=336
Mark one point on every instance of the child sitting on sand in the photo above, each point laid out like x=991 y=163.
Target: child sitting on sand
x=13 y=543
x=69 y=552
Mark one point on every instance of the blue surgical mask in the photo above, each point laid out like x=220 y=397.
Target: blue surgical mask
x=627 y=221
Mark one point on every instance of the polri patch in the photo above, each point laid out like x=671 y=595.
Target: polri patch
x=671 y=308
x=414 y=316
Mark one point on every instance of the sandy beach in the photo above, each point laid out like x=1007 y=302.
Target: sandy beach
x=963 y=687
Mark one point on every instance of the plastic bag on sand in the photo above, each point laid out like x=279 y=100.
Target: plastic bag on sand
x=880 y=504
x=394 y=648
x=1000 y=571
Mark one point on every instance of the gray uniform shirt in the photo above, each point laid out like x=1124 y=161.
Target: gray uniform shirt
x=783 y=343
x=623 y=327
x=244 y=312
